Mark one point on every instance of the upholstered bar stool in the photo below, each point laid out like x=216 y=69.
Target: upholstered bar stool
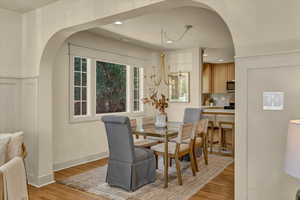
x=224 y=129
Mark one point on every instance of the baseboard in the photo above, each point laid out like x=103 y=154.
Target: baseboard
x=41 y=180
x=72 y=163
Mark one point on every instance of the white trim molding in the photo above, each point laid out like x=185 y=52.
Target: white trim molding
x=80 y=161
x=41 y=180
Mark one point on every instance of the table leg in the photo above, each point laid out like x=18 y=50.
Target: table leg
x=166 y=159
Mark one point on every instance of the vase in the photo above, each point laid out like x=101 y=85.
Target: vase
x=161 y=120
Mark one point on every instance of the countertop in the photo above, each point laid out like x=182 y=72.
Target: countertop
x=208 y=109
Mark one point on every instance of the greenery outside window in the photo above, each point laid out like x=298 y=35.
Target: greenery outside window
x=111 y=86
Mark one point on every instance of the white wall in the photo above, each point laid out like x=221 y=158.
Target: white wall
x=10 y=54
x=10 y=43
x=267 y=130
x=83 y=141
x=188 y=60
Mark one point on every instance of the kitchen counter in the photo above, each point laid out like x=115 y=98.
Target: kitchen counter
x=216 y=115
x=217 y=110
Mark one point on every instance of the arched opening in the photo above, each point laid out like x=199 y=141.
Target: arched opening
x=46 y=84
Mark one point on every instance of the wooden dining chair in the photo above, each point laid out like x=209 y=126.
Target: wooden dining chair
x=201 y=140
x=142 y=142
x=179 y=148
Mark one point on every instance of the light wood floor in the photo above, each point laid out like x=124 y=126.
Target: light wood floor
x=220 y=188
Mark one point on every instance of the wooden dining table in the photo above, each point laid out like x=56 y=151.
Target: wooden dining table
x=164 y=134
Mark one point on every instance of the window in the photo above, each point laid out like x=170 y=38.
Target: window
x=137 y=89
x=101 y=87
x=111 y=85
x=81 y=85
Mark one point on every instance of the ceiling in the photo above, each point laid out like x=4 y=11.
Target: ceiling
x=23 y=6
x=209 y=31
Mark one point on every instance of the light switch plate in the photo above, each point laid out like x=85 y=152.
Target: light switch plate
x=273 y=100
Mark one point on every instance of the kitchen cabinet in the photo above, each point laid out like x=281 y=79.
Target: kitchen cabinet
x=230 y=72
x=207 y=78
x=215 y=77
x=219 y=78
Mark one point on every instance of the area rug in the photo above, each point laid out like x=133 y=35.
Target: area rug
x=93 y=181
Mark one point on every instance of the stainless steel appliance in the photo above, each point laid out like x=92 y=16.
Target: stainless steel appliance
x=230 y=86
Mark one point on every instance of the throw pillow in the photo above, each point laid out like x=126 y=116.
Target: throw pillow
x=15 y=145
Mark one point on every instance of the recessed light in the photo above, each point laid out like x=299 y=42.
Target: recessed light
x=169 y=41
x=118 y=22
x=205 y=55
x=220 y=60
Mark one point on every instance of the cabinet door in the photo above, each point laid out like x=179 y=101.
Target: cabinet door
x=219 y=78
x=207 y=78
x=230 y=72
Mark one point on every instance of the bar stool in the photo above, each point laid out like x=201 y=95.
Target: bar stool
x=212 y=133
x=224 y=127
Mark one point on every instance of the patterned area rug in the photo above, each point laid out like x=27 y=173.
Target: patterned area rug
x=93 y=182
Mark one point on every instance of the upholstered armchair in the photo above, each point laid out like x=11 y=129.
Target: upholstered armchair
x=129 y=167
x=13 y=181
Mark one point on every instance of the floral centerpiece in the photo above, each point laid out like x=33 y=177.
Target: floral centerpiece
x=160 y=104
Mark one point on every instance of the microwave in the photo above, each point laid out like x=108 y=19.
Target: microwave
x=230 y=86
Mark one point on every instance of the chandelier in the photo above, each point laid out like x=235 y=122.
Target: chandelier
x=163 y=73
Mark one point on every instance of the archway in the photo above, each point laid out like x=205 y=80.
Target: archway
x=43 y=161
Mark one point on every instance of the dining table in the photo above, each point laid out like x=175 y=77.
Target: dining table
x=162 y=134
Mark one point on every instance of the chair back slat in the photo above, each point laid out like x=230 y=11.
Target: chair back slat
x=185 y=132
x=202 y=126
x=148 y=120
x=133 y=123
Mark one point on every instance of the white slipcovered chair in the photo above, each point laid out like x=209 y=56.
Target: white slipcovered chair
x=13 y=182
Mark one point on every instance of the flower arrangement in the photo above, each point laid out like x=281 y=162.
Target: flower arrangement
x=158 y=103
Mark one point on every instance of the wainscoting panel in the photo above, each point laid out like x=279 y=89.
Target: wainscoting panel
x=9 y=105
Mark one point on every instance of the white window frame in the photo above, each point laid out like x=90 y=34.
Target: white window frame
x=88 y=116
x=141 y=90
x=91 y=91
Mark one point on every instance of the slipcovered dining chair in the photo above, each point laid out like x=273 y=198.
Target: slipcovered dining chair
x=129 y=167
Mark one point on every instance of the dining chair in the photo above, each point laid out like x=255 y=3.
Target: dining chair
x=179 y=148
x=129 y=167
x=143 y=142
x=192 y=115
x=201 y=140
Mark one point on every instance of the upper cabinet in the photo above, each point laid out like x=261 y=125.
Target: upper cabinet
x=219 y=78
x=207 y=78
x=230 y=72
x=215 y=77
